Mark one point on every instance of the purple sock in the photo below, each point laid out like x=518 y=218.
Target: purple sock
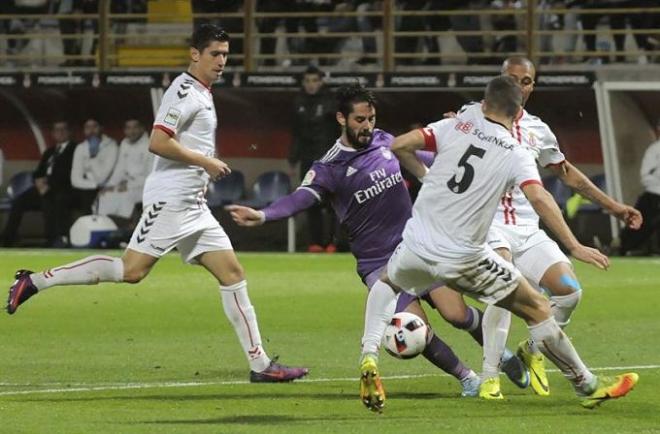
x=472 y=324
x=439 y=353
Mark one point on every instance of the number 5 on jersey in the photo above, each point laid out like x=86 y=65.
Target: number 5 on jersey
x=454 y=184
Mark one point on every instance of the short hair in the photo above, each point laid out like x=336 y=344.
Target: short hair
x=313 y=69
x=518 y=61
x=205 y=34
x=504 y=96
x=349 y=95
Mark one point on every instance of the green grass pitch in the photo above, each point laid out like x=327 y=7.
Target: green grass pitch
x=161 y=357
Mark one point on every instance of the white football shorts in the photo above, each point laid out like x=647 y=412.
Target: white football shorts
x=532 y=250
x=192 y=230
x=486 y=277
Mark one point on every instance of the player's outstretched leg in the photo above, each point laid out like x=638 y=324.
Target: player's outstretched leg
x=87 y=271
x=557 y=347
x=610 y=388
x=20 y=290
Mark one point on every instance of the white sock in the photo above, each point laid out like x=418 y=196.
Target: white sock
x=381 y=304
x=495 y=325
x=87 y=271
x=563 y=306
x=243 y=318
x=557 y=347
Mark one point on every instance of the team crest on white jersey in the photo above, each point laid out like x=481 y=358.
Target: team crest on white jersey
x=350 y=171
x=386 y=153
x=532 y=140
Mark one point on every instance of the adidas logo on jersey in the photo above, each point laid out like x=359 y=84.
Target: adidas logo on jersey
x=350 y=171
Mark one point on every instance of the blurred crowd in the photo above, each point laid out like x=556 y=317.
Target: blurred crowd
x=311 y=37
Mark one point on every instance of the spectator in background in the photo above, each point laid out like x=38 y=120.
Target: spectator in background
x=339 y=24
x=123 y=191
x=648 y=203
x=21 y=26
x=590 y=21
x=72 y=27
x=314 y=126
x=505 y=43
x=93 y=162
x=409 y=23
x=51 y=192
x=2 y=165
x=309 y=24
x=469 y=22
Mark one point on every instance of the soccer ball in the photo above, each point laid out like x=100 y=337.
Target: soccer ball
x=405 y=336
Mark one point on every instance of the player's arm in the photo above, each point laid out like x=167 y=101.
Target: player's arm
x=284 y=207
x=164 y=145
x=578 y=181
x=546 y=207
x=406 y=147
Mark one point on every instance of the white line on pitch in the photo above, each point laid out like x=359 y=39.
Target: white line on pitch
x=127 y=386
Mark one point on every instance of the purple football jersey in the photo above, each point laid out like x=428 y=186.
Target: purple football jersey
x=368 y=193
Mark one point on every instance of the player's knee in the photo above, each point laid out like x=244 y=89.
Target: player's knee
x=540 y=308
x=134 y=274
x=563 y=307
x=233 y=274
x=456 y=318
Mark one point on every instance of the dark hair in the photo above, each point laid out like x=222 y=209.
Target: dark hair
x=205 y=34
x=503 y=95
x=313 y=69
x=352 y=94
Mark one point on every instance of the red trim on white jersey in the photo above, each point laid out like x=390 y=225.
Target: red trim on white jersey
x=531 y=181
x=429 y=140
x=164 y=129
x=517 y=133
x=509 y=210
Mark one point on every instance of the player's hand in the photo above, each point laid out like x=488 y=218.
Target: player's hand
x=591 y=256
x=630 y=216
x=245 y=216
x=449 y=115
x=216 y=168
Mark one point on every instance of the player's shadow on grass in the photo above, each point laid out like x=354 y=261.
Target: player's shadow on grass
x=344 y=395
x=256 y=419
x=322 y=395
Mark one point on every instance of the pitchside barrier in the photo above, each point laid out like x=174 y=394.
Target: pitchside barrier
x=592 y=118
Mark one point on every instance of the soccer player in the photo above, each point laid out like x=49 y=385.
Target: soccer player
x=175 y=212
x=445 y=240
x=516 y=236
x=362 y=179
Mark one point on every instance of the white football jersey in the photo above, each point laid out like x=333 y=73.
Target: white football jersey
x=186 y=113
x=477 y=161
x=538 y=138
